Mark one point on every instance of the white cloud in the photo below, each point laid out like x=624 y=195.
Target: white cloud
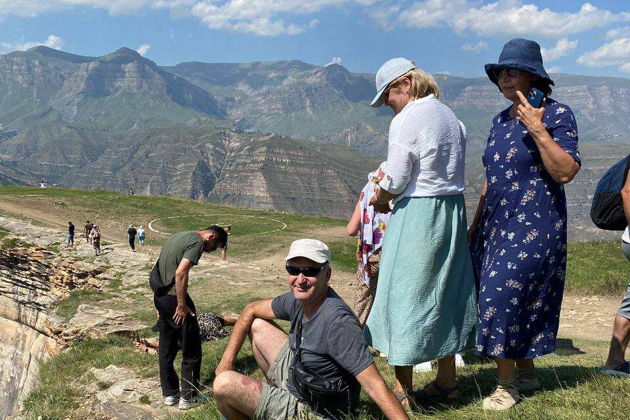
x=554 y=69
x=479 y=46
x=623 y=32
x=499 y=19
x=143 y=49
x=562 y=48
x=53 y=41
x=334 y=60
x=625 y=68
x=614 y=53
x=260 y=17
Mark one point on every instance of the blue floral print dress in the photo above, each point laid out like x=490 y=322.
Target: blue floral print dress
x=521 y=244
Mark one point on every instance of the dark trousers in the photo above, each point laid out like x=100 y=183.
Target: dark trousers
x=171 y=335
x=132 y=242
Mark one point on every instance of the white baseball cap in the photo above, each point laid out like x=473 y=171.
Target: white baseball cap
x=312 y=249
x=389 y=72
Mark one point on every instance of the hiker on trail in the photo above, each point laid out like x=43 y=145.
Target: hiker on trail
x=95 y=237
x=70 y=235
x=131 y=231
x=424 y=307
x=87 y=229
x=616 y=364
x=317 y=371
x=370 y=226
x=177 y=314
x=141 y=235
x=519 y=232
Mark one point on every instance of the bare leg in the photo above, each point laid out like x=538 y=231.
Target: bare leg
x=404 y=382
x=267 y=339
x=505 y=367
x=619 y=342
x=446 y=371
x=525 y=364
x=236 y=395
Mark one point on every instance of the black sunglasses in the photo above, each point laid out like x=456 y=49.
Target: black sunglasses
x=307 y=271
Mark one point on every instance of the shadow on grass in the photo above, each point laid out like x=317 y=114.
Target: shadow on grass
x=565 y=347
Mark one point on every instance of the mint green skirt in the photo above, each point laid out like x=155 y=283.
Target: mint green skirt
x=425 y=305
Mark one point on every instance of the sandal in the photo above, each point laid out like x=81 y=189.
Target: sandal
x=402 y=397
x=442 y=394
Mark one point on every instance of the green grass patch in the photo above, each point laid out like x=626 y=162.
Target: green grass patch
x=597 y=267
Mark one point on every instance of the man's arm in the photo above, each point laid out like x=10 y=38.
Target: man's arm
x=258 y=309
x=373 y=383
x=625 y=197
x=181 y=288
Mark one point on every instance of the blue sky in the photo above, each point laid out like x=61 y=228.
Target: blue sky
x=447 y=36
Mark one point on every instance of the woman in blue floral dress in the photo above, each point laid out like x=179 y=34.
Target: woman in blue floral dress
x=519 y=235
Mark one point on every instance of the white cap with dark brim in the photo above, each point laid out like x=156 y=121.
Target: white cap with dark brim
x=312 y=249
x=390 y=71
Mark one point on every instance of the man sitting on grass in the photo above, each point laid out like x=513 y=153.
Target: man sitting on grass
x=318 y=369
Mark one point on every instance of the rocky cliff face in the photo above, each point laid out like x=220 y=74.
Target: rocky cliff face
x=121 y=90
x=31 y=280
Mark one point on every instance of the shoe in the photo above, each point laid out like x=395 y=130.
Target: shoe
x=171 y=400
x=422 y=367
x=526 y=384
x=193 y=402
x=503 y=398
x=459 y=360
x=437 y=393
x=621 y=371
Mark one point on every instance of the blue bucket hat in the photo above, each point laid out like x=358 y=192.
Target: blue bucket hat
x=520 y=54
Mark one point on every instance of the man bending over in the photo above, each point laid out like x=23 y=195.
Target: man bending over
x=319 y=369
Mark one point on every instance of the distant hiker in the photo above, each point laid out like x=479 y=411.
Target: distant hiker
x=519 y=232
x=70 y=236
x=426 y=285
x=370 y=226
x=317 y=371
x=95 y=237
x=141 y=235
x=177 y=314
x=616 y=364
x=88 y=228
x=131 y=231
x=42 y=184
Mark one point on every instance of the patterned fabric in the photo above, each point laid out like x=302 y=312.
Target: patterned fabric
x=364 y=294
x=521 y=244
x=372 y=229
x=211 y=327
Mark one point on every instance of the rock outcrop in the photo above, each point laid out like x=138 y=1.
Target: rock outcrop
x=31 y=280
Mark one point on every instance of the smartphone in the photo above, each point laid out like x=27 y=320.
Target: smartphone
x=535 y=97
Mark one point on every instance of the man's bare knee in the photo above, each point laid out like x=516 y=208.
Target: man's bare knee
x=222 y=385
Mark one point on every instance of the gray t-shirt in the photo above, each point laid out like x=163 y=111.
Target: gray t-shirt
x=332 y=340
x=181 y=245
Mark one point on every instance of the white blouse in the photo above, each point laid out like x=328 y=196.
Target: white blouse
x=425 y=156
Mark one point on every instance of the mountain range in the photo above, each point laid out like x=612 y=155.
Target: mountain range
x=282 y=135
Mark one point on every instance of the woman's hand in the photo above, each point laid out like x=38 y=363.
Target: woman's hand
x=380 y=207
x=530 y=117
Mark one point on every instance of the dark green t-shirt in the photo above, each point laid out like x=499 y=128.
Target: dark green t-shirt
x=181 y=245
